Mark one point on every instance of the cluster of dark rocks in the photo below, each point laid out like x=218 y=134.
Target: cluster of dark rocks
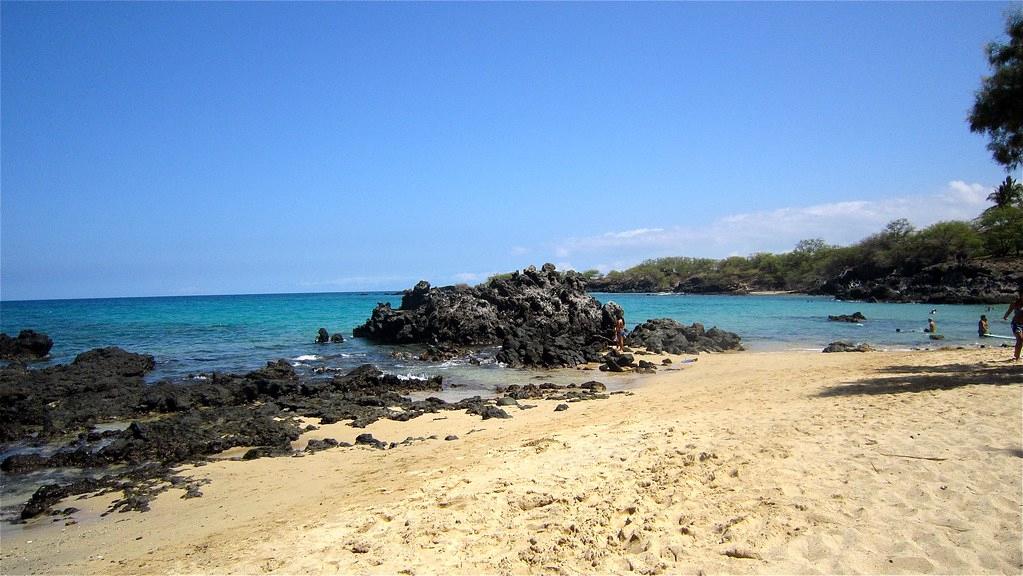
x=540 y=318
x=854 y=318
x=323 y=337
x=667 y=335
x=169 y=423
x=841 y=346
x=624 y=361
x=26 y=346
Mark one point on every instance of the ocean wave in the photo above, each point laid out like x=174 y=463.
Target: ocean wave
x=307 y=358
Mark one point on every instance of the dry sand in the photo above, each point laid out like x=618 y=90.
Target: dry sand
x=739 y=463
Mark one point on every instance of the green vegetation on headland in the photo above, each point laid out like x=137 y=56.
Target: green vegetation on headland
x=955 y=262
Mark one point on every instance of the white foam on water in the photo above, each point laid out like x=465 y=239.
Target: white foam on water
x=411 y=376
x=307 y=358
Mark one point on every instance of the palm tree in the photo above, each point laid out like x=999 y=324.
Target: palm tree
x=1008 y=193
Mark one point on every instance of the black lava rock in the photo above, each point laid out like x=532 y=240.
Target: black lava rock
x=539 y=317
x=28 y=345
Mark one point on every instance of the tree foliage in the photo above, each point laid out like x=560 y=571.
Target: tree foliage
x=1001 y=230
x=898 y=249
x=1008 y=193
x=998 y=107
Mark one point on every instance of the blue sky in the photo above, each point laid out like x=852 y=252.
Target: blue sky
x=180 y=148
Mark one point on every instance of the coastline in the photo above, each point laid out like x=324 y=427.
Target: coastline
x=757 y=462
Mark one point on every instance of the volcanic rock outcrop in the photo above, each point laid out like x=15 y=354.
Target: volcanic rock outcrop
x=667 y=335
x=541 y=318
x=28 y=345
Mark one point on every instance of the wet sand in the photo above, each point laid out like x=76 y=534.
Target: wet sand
x=775 y=462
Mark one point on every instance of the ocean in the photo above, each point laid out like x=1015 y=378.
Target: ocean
x=192 y=335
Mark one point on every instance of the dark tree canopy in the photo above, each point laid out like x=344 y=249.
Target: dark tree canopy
x=1008 y=193
x=998 y=109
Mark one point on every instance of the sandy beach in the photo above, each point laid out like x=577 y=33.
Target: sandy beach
x=777 y=462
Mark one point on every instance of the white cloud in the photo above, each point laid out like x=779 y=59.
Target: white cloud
x=469 y=277
x=359 y=283
x=974 y=194
x=634 y=233
x=777 y=230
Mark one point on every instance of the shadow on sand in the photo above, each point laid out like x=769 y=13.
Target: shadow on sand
x=924 y=378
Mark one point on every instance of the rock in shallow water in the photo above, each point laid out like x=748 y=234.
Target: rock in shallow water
x=539 y=317
x=667 y=335
x=28 y=345
x=848 y=347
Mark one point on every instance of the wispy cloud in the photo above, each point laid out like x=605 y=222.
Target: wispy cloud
x=358 y=283
x=775 y=230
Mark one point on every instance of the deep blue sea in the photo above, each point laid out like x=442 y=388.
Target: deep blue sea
x=191 y=335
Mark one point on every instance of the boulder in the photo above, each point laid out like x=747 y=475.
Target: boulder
x=848 y=347
x=855 y=317
x=322 y=336
x=28 y=345
x=337 y=338
x=667 y=335
x=539 y=317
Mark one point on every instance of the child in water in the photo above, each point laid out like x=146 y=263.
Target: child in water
x=982 y=327
x=931 y=326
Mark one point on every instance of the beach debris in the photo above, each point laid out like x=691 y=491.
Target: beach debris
x=854 y=318
x=841 y=346
x=931 y=458
x=743 y=553
x=451 y=437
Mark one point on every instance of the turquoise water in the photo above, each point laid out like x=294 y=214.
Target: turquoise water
x=792 y=322
x=201 y=334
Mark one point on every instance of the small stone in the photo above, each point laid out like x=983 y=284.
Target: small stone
x=561 y=407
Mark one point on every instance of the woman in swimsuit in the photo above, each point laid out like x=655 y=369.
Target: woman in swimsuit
x=1017 y=322
x=620 y=334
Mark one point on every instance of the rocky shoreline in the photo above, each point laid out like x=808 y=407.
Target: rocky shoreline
x=98 y=412
x=540 y=318
x=169 y=423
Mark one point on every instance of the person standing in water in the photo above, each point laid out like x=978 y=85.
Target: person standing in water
x=931 y=326
x=982 y=327
x=1017 y=322
x=620 y=333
